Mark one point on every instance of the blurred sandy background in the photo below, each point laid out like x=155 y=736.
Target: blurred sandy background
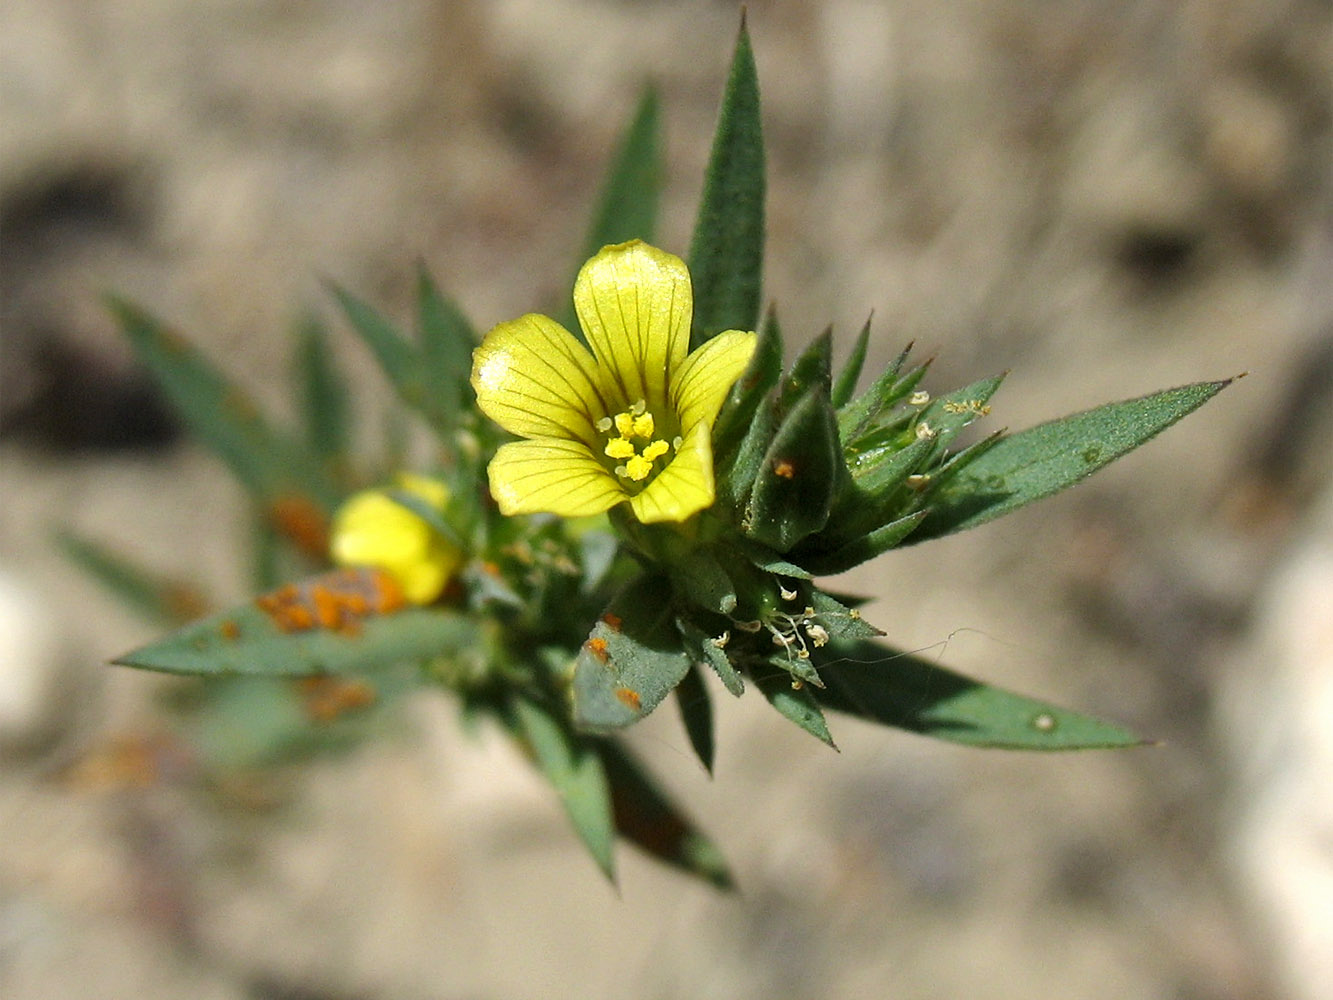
x=1105 y=197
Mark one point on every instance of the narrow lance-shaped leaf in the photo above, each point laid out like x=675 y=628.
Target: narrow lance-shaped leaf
x=344 y=621
x=447 y=339
x=737 y=417
x=727 y=251
x=874 y=682
x=165 y=601
x=1053 y=456
x=573 y=765
x=397 y=357
x=269 y=464
x=323 y=394
x=646 y=816
x=844 y=387
x=796 y=703
x=696 y=712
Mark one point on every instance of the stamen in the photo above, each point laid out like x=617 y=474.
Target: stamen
x=637 y=468
x=604 y=425
x=655 y=450
x=619 y=448
x=624 y=424
x=643 y=425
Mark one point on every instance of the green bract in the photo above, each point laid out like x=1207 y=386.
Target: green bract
x=673 y=497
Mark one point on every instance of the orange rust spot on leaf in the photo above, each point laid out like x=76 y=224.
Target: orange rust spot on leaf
x=629 y=698
x=339 y=601
x=612 y=621
x=785 y=468
x=597 y=647
x=230 y=630
x=300 y=520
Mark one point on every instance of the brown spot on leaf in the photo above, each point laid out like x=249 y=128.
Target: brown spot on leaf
x=785 y=468
x=327 y=698
x=230 y=630
x=597 y=647
x=612 y=621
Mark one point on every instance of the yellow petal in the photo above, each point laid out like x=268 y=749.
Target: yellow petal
x=635 y=303
x=372 y=530
x=685 y=486
x=535 y=380
x=551 y=476
x=707 y=376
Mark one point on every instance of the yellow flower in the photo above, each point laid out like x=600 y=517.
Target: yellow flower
x=633 y=420
x=371 y=529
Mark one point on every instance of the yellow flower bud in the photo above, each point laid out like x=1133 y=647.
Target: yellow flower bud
x=371 y=529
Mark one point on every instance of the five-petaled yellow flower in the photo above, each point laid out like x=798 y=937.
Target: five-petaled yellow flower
x=372 y=529
x=633 y=420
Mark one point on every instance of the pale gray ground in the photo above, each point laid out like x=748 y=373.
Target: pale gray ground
x=1105 y=197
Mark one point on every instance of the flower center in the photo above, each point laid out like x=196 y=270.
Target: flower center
x=631 y=442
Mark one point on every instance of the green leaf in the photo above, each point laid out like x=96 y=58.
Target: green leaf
x=400 y=361
x=862 y=416
x=882 y=685
x=631 y=660
x=447 y=339
x=326 y=624
x=948 y=414
x=696 y=712
x=323 y=394
x=574 y=766
x=796 y=703
x=628 y=206
x=845 y=386
x=727 y=251
x=164 y=601
x=1031 y=465
x=748 y=419
x=272 y=466
x=862 y=549
x=646 y=816
x=799 y=476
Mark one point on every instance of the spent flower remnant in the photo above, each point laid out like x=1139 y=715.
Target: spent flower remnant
x=630 y=421
x=373 y=529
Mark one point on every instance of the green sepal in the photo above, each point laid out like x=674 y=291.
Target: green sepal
x=766 y=559
x=702 y=649
x=698 y=577
x=796 y=703
x=251 y=640
x=844 y=387
x=861 y=416
x=646 y=816
x=1022 y=468
x=743 y=467
x=798 y=477
x=736 y=418
x=812 y=368
x=864 y=548
x=322 y=390
x=631 y=659
x=947 y=415
x=799 y=667
x=446 y=338
x=841 y=621
x=727 y=251
x=272 y=466
x=696 y=713
x=573 y=765
x=874 y=682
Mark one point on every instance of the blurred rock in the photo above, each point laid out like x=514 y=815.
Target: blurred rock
x=31 y=661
